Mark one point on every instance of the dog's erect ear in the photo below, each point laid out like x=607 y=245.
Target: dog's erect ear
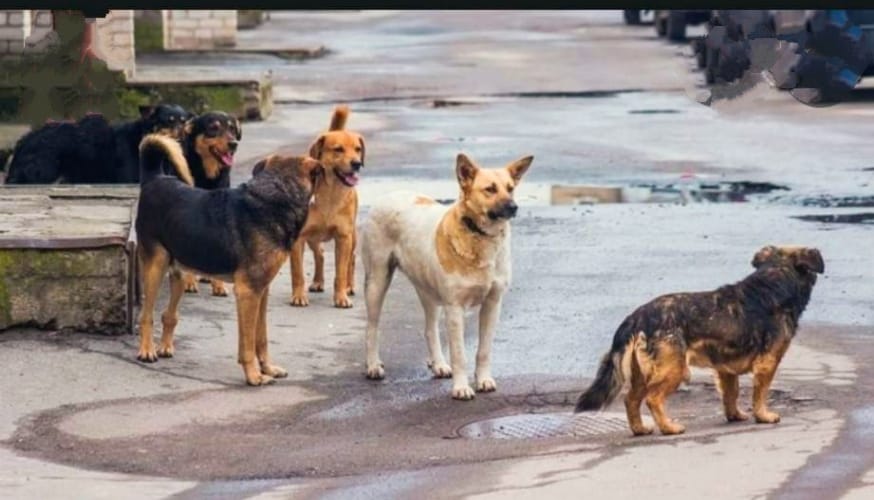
x=363 y=148
x=259 y=166
x=146 y=111
x=518 y=168
x=763 y=255
x=810 y=259
x=316 y=147
x=465 y=170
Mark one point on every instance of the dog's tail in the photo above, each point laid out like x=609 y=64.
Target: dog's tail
x=611 y=374
x=156 y=151
x=338 y=120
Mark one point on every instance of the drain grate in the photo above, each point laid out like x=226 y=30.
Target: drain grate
x=543 y=425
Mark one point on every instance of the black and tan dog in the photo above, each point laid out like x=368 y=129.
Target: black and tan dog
x=736 y=329
x=209 y=144
x=241 y=234
x=90 y=150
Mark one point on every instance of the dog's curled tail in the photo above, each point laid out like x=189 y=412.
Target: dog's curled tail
x=611 y=374
x=338 y=120
x=156 y=151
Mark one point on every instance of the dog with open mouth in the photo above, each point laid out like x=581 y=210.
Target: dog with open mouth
x=210 y=142
x=456 y=257
x=333 y=213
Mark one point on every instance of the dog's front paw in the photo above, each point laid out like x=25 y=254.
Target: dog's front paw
x=274 y=371
x=643 y=430
x=299 y=300
x=166 y=351
x=463 y=393
x=218 y=289
x=342 y=302
x=317 y=287
x=440 y=369
x=767 y=417
x=191 y=285
x=672 y=428
x=147 y=355
x=376 y=371
x=486 y=384
x=260 y=380
x=737 y=416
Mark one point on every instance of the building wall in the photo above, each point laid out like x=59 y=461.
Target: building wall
x=114 y=40
x=15 y=26
x=199 y=29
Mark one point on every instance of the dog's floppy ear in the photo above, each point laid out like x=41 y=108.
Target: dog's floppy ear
x=465 y=170
x=810 y=259
x=316 y=147
x=363 y=148
x=146 y=111
x=189 y=127
x=518 y=168
x=763 y=255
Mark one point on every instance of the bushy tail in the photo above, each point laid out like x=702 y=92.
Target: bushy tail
x=338 y=120
x=610 y=377
x=156 y=151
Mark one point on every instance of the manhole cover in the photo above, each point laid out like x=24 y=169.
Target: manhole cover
x=543 y=425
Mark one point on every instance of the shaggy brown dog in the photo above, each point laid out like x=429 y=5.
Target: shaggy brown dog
x=332 y=213
x=736 y=329
x=242 y=235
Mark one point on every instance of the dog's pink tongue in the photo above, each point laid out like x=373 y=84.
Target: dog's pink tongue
x=228 y=159
x=352 y=179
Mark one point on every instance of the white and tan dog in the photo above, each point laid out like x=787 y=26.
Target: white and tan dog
x=456 y=259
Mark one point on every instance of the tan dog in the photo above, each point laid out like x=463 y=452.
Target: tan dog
x=332 y=214
x=456 y=258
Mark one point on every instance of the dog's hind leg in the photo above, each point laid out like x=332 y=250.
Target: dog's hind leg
x=171 y=315
x=218 y=288
x=298 y=294
x=488 y=319
x=635 y=397
x=667 y=373
x=729 y=388
x=436 y=362
x=261 y=348
x=190 y=281
x=318 y=283
x=248 y=313
x=377 y=277
x=153 y=267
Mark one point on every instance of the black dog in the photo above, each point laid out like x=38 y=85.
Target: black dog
x=242 y=234
x=91 y=150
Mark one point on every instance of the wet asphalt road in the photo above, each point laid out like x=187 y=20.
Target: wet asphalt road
x=595 y=102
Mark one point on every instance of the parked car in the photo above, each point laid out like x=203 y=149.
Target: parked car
x=672 y=23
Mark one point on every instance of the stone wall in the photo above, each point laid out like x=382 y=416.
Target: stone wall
x=114 y=41
x=199 y=29
x=15 y=27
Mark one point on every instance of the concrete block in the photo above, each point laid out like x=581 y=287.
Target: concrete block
x=67 y=262
x=4 y=17
x=575 y=195
x=15 y=18
x=11 y=33
x=44 y=18
x=210 y=23
x=203 y=33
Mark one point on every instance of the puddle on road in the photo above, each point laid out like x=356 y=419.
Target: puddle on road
x=861 y=218
x=681 y=192
x=828 y=201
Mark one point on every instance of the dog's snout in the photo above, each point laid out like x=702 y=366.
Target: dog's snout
x=356 y=165
x=511 y=208
x=233 y=145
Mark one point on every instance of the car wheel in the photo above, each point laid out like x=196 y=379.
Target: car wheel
x=676 y=26
x=632 y=17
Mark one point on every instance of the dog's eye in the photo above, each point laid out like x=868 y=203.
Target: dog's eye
x=509 y=188
x=491 y=189
x=338 y=149
x=357 y=149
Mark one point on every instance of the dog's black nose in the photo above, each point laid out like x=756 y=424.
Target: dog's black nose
x=233 y=145
x=356 y=165
x=511 y=208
